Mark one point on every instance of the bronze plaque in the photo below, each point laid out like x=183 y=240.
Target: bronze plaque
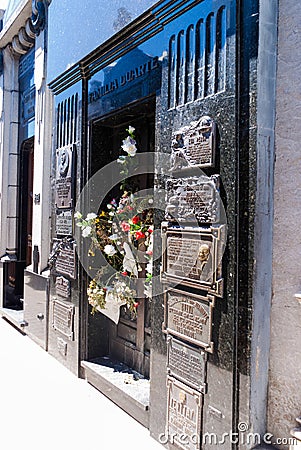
x=193 y=256
x=62 y=287
x=64 y=177
x=64 y=223
x=189 y=317
x=184 y=415
x=193 y=199
x=66 y=261
x=194 y=145
x=186 y=363
x=62 y=318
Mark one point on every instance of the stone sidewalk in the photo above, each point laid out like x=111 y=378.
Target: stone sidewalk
x=43 y=406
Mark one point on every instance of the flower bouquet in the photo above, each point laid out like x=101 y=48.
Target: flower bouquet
x=123 y=232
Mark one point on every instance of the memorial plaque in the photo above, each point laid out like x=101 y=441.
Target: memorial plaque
x=184 y=415
x=194 y=199
x=193 y=257
x=62 y=318
x=187 y=364
x=64 y=177
x=62 y=346
x=62 y=287
x=64 y=223
x=189 y=317
x=66 y=261
x=194 y=145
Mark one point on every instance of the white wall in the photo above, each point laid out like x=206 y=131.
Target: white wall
x=285 y=362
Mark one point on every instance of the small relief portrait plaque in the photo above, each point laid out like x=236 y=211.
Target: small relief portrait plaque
x=194 y=145
x=63 y=287
x=193 y=199
x=189 y=317
x=184 y=415
x=63 y=318
x=64 y=177
x=186 y=363
x=193 y=257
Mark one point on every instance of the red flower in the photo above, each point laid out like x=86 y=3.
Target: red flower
x=124 y=273
x=125 y=226
x=136 y=305
x=135 y=220
x=139 y=235
x=150 y=230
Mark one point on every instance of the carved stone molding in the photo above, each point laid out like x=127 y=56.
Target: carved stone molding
x=24 y=40
x=38 y=17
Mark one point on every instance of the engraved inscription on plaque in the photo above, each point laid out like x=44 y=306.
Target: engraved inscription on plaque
x=62 y=287
x=66 y=261
x=193 y=257
x=184 y=412
x=194 y=145
x=193 y=199
x=62 y=346
x=63 y=318
x=189 y=317
x=186 y=363
x=64 y=177
x=64 y=223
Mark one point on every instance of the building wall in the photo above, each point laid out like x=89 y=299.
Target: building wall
x=285 y=368
x=11 y=137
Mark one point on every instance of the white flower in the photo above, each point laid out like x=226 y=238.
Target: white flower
x=131 y=129
x=113 y=237
x=86 y=231
x=110 y=250
x=91 y=216
x=78 y=215
x=149 y=267
x=129 y=146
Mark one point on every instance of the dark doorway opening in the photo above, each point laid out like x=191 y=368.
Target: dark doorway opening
x=124 y=348
x=14 y=270
x=26 y=201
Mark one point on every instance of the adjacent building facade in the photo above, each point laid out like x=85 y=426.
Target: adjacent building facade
x=207 y=88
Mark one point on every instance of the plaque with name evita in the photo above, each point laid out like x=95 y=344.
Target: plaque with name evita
x=193 y=256
x=189 y=317
x=184 y=415
x=194 y=145
x=64 y=181
x=63 y=318
x=193 y=199
x=186 y=363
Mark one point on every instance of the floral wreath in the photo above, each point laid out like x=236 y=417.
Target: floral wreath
x=123 y=232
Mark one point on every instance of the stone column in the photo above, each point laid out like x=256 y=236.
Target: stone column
x=9 y=156
x=42 y=156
